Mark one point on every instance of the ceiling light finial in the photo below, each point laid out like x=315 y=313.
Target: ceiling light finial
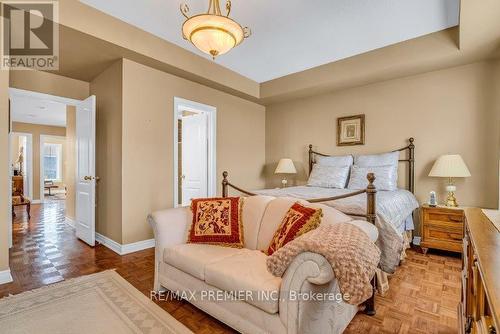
x=213 y=33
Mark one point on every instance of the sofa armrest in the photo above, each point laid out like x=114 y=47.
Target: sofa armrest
x=311 y=273
x=169 y=228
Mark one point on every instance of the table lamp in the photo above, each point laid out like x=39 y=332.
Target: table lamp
x=285 y=166
x=450 y=166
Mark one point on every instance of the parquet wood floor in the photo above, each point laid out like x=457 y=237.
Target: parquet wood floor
x=423 y=297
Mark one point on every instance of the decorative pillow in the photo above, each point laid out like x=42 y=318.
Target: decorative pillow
x=217 y=221
x=341 y=160
x=386 y=177
x=377 y=160
x=298 y=220
x=328 y=176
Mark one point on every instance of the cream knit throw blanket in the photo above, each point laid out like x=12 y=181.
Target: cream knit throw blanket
x=352 y=255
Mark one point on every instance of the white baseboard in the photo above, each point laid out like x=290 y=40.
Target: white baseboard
x=36 y=201
x=138 y=246
x=111 y=244
x=69 y=221
x=5 y=277
x=124 y=249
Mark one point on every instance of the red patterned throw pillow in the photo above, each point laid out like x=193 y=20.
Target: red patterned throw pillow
x=217 y=221
x=298 y=220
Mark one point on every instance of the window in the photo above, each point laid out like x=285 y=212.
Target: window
x=52 y=161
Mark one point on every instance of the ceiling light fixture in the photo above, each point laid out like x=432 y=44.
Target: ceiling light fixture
x=213 y=33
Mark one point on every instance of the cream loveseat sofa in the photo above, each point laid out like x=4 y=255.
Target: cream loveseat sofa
x=260 y=302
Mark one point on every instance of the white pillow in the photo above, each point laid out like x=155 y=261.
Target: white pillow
x=377 y=160
x=328 y=176
x=386 y=177
x=341 y=160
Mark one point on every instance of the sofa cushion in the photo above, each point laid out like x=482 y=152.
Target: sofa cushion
x=217 y=221
x=246 y=273
x=298 y=220
x=253 y=210
x=193 y=258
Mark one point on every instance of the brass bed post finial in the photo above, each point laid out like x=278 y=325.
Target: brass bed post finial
x=371 y=191
x=224 y=183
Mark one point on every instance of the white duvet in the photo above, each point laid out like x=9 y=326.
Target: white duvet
x=393 y=210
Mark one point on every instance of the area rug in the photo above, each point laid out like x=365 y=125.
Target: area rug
x=98 y=303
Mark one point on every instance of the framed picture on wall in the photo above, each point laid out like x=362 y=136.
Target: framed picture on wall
x=351 y=130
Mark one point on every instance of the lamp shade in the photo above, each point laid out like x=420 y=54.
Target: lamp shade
x=285 y=166
x=450 y=165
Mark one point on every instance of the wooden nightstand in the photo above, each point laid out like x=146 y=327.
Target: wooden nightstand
x=442 y=228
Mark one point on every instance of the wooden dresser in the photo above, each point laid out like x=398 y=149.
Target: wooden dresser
x=17 y=185
x=442 y=228
x=479 y=309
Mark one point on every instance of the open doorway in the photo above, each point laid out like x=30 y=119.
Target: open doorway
x=194 y=151
x=56 y=174
x=52 y=159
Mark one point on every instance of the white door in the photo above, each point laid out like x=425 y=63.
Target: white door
x=194 y=157
x=85 y=170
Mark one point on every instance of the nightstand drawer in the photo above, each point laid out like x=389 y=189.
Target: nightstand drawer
x=444 y=216
x=439 y=233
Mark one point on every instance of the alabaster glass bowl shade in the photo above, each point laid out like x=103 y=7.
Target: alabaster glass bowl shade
x=213 y=34
x=285 y=166
x=450 y=165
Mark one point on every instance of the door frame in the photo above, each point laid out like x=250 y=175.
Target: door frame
x=28 y=159
x=211 y=111
x=15 y=93
x=43 y=138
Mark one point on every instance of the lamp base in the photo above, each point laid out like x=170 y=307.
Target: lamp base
x=284 y=183
x=451 y=201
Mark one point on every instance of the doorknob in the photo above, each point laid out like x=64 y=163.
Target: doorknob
x=87 y=178
x=183 y=177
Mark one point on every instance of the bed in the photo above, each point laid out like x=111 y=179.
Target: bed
x=392 y=211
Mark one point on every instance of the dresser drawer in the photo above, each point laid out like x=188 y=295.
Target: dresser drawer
x=443 y=233
x=449 y=216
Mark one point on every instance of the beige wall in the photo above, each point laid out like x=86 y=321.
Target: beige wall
x=70 y=161
x=148 y=99
x=447 y=111
x=48 y=83
x=37 y=130
x=496 y=113
x=108 y=89
x=5 y=183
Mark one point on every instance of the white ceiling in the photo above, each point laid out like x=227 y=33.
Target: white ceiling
x=33 y=110
x=294 y=35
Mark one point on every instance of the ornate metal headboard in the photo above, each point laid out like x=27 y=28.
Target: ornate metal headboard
x=410 y=159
